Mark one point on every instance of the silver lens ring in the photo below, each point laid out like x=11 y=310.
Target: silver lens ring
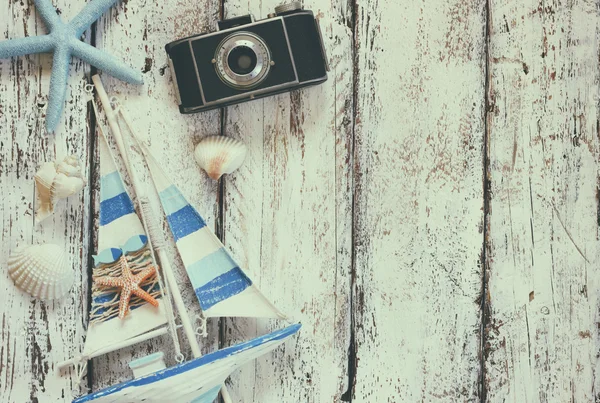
x=243 y=40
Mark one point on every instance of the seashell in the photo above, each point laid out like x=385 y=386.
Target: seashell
x=55 y=181
x=70 y=167
x=42 y=271
x=43 y=183
x=65 y=186
x=219 y=155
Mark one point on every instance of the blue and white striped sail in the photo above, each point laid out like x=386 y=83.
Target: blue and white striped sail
x=222 y=288
x=119 y=224
x=195 y=381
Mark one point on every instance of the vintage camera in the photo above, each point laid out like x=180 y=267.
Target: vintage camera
x=247 y=59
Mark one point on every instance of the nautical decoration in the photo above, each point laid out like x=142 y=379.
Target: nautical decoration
x=219 y=155
x=55 y=181
x=198 y=380
x=129 y=284
x=221 y=286
x=119 y=226
x=156 y=239
x=64 y=40
x=42 y=271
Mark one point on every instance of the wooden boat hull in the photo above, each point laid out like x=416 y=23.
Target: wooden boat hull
x=197 y=381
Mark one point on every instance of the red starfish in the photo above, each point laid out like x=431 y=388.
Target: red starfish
x=129 y=283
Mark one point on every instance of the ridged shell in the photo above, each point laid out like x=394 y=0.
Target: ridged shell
x=70 y=167
x=55 y=181
x=219 y=155
x=42 y=271
x=65 y=186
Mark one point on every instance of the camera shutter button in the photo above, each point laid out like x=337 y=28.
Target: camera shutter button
x=284 y=8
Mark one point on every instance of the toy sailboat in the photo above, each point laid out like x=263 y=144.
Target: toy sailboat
x=131 y=295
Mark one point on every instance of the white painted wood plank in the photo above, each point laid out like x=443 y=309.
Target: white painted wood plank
x=288 y=220
x=288 y=211
x=34 y=335
x=542 y=322
x=418 y=200
x=137 y=33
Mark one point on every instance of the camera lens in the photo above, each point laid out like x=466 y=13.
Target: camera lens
x=242 y=60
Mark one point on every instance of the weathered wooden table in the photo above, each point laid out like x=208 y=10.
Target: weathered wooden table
x=430 y=214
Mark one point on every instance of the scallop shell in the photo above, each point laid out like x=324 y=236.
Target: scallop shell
x=42 y=271
x=219 y=155
x=55 y=181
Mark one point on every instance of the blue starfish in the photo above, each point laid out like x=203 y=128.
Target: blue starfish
x=64 y=41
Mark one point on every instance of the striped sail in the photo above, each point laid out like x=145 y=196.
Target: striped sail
x=222 y=288
x=196 y=381
x=118 y=223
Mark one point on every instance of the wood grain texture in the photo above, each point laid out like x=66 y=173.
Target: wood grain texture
x=287 y=218
x=418 y=200
x=542 y=327
x=429 y=214
x=34 y=335
x=137 y=33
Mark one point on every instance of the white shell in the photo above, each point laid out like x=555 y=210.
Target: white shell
x=70 y=167
x=55 y=181
x=219 y=155
x=42 y=271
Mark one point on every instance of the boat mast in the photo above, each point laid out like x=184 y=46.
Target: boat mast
x=143 y=149
x=156 y=240
x=154 y=235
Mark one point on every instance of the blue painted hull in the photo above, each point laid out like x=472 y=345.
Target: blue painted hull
x=198 y=380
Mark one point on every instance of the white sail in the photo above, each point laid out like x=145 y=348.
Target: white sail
x=221 y=286
x=118 y=223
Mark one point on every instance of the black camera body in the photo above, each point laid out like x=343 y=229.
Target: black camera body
x=247 y=59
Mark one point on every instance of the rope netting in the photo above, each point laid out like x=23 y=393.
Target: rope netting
x=105 y=300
